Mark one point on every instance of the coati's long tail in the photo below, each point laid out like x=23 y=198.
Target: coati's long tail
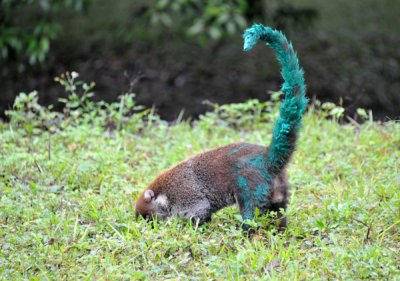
x=294 y=103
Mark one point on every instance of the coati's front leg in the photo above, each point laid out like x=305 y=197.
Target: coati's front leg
x=200 y=220
x=198 y=212
x=279 y=198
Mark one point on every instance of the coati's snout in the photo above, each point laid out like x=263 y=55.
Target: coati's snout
x=151 y=204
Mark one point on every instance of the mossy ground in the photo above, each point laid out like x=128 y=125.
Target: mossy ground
x=67 y=206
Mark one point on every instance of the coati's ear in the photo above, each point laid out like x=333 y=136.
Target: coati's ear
x=148 y=195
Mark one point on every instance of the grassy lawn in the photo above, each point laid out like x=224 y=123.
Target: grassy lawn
x=67 y=204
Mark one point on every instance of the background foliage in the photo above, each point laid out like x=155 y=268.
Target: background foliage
x=348 y=50
x=28 y=37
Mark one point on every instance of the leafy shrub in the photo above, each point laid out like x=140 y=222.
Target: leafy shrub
x=79 y=109
x=329 y=109
x=239 y=115
x=32 y=117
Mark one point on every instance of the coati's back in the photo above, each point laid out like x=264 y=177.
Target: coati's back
x=252 y=176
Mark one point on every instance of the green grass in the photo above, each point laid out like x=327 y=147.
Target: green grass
x=67 y=206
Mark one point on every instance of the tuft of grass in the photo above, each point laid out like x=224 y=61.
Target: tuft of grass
x=67 y=201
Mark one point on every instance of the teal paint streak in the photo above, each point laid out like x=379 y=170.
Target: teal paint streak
x=260 y=165
x=238 y=149
x=242 y=182
x=261 y=191
x=294 y=88
x=253 y=196
x=245 y=196
x=245 y=191
x=258 y=162
x=261 y=195
x=248 y=215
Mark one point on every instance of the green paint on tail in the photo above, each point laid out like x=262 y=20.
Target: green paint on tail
x=292 y=108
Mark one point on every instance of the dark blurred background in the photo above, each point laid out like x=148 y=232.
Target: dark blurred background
x=176 y=54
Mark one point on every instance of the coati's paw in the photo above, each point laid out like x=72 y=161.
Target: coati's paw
x=198 y=221
x=251 y=233
x=282 y=224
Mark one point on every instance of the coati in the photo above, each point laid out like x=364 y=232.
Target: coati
x=250 y=175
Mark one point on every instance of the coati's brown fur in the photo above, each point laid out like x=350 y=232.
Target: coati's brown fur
x=252 y=176
x=202 y=184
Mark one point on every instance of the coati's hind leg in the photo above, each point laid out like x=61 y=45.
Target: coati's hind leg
x=266 y=199
x=282 y=220
x=249 y=193
x=246 y=211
